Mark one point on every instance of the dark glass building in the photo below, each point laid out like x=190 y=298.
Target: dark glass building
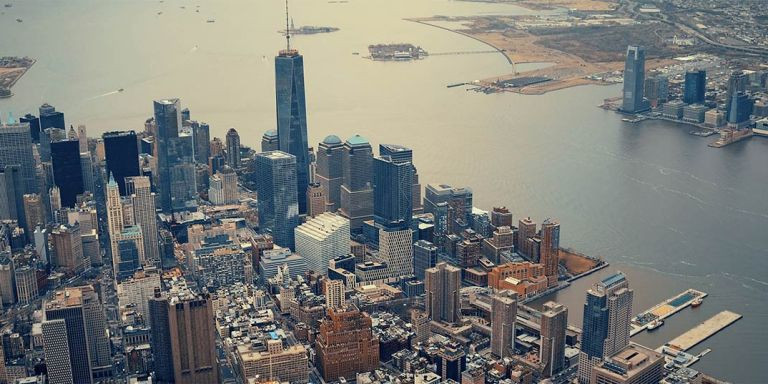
x=201 y=135
x=634 y=81
x=233 y=149
x=392 y=193
x=292 y=116
x=67 y=170
x=168 y=120
x=278 y=198
x=330 y=170
x=129 y=259
x=74 y=318
x=739 y=110
x=424 y=256
x=34 y=126
x=356 y=188
x=401 y=154
x=121 y=150
x=50 y=118
x=269 y=141
x=695 y=87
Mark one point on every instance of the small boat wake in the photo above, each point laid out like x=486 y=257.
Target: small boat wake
x=105 y=94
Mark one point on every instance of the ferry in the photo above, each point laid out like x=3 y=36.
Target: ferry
x=120 y=90
x=697 y=302
x=655 y=324
x=211 y=20
x=19 y=20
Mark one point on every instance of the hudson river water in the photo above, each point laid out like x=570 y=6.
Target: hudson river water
x=654 y=201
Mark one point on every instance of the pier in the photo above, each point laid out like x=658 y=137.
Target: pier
x=665 y=309
x=704 y=330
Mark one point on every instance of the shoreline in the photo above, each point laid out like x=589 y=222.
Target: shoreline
x=14 y=74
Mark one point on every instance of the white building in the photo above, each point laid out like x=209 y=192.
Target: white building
x=223 y=187
x=321 y=239
x=137 y=290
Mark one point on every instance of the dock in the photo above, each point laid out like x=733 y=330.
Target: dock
x=664 y=309
x=704 y=330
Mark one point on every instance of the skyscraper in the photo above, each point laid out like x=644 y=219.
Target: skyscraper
x=68 y=249
x=16 y=149
x=424 y=257
x=145 y=215
x=503 y=316
x=452 y=208
x=121 y=150
x=67 y=172
x=315 y=199
x=695 y=87
x=115 y=222
x=346 y=344
x=223 y=189
x=549 y=254
x=183 y=338
x=26 y=284
x=233 y=148
x=554 y=322
x=67 y=305
x=12 y=195
x=57 y=352
x=393 y=193
x=33 y=211
x=442 y=284
x=168 y=121
x=401 y=154
x=292 y=114
x=330 y=170
x=34 y=126
x=607 y=315
x=201 y=136
x=269 y=141
x=278 y=198
x=86 y=165
x=50 y=118
x=321 y=239
x=739 y=110
x=356 y=189
x=7 y=279
x=634 y=80
x=334 y=294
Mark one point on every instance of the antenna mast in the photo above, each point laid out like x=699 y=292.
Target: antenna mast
x=287 y=29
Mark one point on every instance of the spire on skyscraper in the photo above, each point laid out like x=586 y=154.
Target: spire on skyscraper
x=287 y=29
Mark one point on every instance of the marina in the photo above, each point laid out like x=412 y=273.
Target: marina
x=654 y=317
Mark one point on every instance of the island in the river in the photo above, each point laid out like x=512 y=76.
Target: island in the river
x=11 y=70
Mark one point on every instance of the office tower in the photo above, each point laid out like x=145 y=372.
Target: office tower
x=356 y=188
x=503 y=316
x=223 y=189
x=501 y=217
x=606 y=324
x=121 y=150
x=554 y=323
x=656 y=90
x=739 y=110
x=12 y=195
x=67 y=305
x=50 y=118
x=86 y=165
x=16 y=149
x=96 y=330
x=330 y=170
x=127 y=259
x=346 y=344
x=168 y=120
x=442 y=284
x=322 y=239
x=316 y=200
x=144 y=213
x=26 y=284
x=526 y=229
x=695 y=87
x=201 y=137
x=278 y=198
x=634 y=80
x=82 y=138
x=392 y=191
x=33 y=211
x=634 y=364
x=424 y=257
x=7 y=277
x=274 y=259
x=292 y=115
x=452 y=208
x=451 y=361
x=334 y=294
x=68 y=249
x=115 y=222
x=67 y=172
x=278 y=363
x=269 y=141
x=183 y=170
x=401 y=154
x=48 y=136
x=34 y=126
x=183 y=338
x=549 y=252
x=58 y=364
x=233 y=148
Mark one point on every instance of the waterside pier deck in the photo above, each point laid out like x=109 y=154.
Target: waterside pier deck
x=665 y=309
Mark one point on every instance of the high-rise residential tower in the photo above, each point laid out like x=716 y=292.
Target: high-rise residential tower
x=634 y=81
x=442 y=284
x=278 y=198
x=554 y=323
x=550 y=250
x=503 y=316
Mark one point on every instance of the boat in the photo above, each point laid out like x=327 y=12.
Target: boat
x=697 y=302
x=19 y=20
x=655 y=324
x=211 y=20
x=120 y=90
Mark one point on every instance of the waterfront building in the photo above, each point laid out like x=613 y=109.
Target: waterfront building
x=356 y=188
x=694 y=113
x=442 y=285
x=168 y=122
x=554 y=323
x=657 y=90
x=233 y=148
x=16 y=149
x=526 y=229
x=634 y=81
x=26 y=284
x=738 y=81
x=183 y=338
x=346 y=344
x=330 y=170
x=695 y=87
x=451 y=207
x=501 y=217
x=503 y=316
x=292 y=115
x=223 y=188
x=633 y=364
x=606 y=324
x=322 y=239
x=269 y=141
x=714 y=118
x=502 y=240
x=278 y=199
x=276 y=362
x=673 y=109
x=122 y=154
x=524 y=277
x=145 y=215
x=424 y=257
x=201 y=137
x=549 y=251
x=739 y=110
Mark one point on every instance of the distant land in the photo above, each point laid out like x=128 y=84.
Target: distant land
x=11 y=70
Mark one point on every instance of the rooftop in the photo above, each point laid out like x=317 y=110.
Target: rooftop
x=358 y=140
